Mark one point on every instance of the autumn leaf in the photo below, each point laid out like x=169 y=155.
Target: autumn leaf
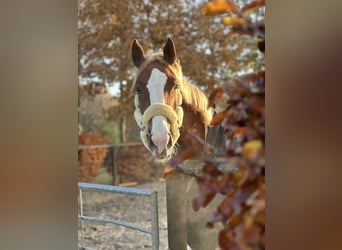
x=235 y=219
x=256 y=105
x=207 y=191
x=211 y=170
x=218 y=118
x=239 y=131
x=202 y=201
x=225 y=208
x=240 y=176
x=215 y=95
x=217 y=7
x=208 y=149
x=251 y=149
x=235 y=19
x=218 y=99
x=181 y=157
x=253 y=6
x=261 y=46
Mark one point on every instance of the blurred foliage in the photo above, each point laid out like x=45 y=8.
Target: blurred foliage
x=240 y=175
x=212 y=54
x=91 y=159
x=132 y=168
x=94 y=105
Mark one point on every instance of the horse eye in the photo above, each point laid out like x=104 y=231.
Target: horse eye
x=176 y=87
x=137 y=91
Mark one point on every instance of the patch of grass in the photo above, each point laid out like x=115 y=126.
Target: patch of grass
x=103 y=177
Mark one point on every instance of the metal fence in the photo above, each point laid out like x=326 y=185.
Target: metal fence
x=154 y=231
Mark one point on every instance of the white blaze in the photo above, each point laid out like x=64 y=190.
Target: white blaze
x=159 y=130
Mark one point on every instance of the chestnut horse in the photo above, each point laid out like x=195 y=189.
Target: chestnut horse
x=167 y=107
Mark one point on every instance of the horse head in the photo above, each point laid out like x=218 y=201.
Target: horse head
x=158 y=98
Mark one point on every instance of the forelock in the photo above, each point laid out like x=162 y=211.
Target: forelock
x=158 y=57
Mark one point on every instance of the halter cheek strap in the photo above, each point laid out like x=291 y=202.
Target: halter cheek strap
x=175 y=118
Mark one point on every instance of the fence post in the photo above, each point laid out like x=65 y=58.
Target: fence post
x=176 y=214
x=112 y=164
x=154 y=220
x=116 y=177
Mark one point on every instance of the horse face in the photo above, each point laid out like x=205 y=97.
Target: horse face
x=157 y=87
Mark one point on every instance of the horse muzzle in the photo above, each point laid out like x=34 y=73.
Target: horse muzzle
x=159 y=145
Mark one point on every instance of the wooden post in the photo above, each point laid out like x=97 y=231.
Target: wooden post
x=123 y=138
x=176 y=214
x=116 y=177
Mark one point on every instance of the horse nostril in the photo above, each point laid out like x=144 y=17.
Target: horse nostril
x=159 y=143
x=153 y=146
x=169 y=144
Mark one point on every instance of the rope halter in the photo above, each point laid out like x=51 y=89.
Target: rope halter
x=175 y=118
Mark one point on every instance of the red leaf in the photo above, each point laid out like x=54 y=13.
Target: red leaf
x=207 y=189
x=235 y=220
x=196 y=203
x=225 y=184
x=252 y=235
x=225 y=208
x=226 y=241
x=215 y=94
x=223 y=239
x=239 y=131
x=261 y=46
x=202 y=200
x=184 y=155
x=211 y=170
x=218 y=118
x=253 y=6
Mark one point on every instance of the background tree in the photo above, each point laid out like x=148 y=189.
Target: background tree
x=209 y=53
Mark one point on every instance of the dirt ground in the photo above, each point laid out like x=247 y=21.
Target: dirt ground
x=127 y=208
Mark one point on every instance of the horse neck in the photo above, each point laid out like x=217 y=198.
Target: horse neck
x=196 y=115
x=197 y=101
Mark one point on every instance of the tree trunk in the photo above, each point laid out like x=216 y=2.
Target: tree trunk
x=123 y=138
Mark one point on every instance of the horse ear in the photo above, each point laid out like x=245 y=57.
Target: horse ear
x=138 y=55
x=170 y=51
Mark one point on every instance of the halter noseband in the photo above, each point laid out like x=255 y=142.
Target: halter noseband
x=175 y=118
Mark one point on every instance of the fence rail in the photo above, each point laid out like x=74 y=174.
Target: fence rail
x=154 y=231
x=110 y=145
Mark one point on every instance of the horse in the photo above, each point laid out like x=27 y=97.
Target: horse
x=167 y=107
x=166 y=104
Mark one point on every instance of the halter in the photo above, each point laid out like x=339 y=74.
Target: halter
x=175 y=117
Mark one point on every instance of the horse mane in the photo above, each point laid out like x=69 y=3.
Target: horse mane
x=196 y=99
